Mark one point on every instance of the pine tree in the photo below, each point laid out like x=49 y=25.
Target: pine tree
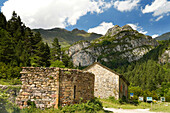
x=66 y=60
x=6 y=47
x=47 y=55
x=36 y=39
x=41 y=54
x=36 y=59
x=3 y=21
x=55 y=51
x=15 y=27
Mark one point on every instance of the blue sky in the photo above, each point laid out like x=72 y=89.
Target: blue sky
x=151 y=17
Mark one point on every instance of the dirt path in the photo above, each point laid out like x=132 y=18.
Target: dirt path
x=130 y=110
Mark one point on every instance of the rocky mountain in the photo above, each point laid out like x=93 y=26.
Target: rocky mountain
x=165 y=36
x=66 y=37
x=118 y=45
x=164 y=57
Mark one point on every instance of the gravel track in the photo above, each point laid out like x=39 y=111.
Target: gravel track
x=130 y=110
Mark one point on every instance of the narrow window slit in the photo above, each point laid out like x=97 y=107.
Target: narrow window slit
x=74 y=91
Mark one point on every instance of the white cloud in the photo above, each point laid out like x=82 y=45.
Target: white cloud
x=158 y=7
x=138 y=28
x=126 y=5
x=160 y=17
x=53 y=13
x=102 y=28
x=155 y=35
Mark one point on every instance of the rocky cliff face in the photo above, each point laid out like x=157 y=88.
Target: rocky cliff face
x=118 y=43
x=165 y=57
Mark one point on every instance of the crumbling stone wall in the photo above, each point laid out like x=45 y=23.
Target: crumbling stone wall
x=53 y=87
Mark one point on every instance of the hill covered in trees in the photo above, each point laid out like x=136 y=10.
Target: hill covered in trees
x=65 y=37
x=20 y=47
x=148 y=73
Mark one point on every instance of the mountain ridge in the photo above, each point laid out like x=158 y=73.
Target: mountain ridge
x=165 y=36
x=117 y=44
x=65 y=37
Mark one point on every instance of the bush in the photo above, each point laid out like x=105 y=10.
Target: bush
x=7 y=106
x=135 y=102
x=112 y=99
x=57 y=63
x=124 y=99
x=92 y=106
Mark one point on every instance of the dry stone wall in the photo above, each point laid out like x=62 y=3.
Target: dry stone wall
x=75 y=85
x=53 y=87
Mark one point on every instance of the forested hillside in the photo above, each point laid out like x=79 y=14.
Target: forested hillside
x=148 y=73
x=65 y=37
x=20 y=47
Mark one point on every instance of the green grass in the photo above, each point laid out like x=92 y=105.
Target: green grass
x=84 y=35
x=10 y=82
x=4 y=82
x=110 y=104
x=156 y=107
x=64 y=44
x=161 y=107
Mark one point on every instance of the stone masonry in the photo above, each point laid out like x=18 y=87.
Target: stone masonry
x=107 y=82
x=53 y=87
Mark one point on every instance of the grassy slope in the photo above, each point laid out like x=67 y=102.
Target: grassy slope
x=65 y=37
x=165 y=36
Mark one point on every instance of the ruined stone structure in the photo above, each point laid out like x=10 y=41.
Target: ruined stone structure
x=53 y=87
x=107 y=82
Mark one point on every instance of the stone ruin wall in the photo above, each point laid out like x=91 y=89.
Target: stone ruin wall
x=53 y=87
x=40 y=86
x=75 y=85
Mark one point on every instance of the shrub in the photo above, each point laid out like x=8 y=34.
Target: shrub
x=135 y=102
x=57 y=63
x=92 y=106
x=112 y=99
x=124 y=99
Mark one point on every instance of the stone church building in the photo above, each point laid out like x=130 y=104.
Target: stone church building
x=53 y=87
x=107 y=82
